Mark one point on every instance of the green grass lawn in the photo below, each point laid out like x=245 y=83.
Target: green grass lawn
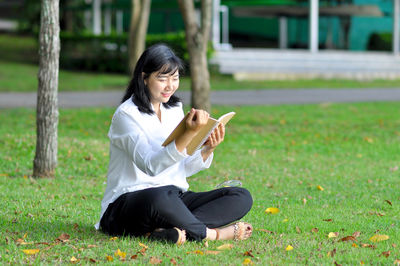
x=18 y=73
x=280 y=153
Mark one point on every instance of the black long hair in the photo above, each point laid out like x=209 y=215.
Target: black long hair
x=158 y=57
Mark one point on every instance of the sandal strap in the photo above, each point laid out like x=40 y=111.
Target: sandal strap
x=236 y=231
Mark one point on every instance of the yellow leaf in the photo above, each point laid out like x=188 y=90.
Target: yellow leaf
x=74 y=260
x=143 y=245
x=285 y=220
x=289 y=248
x=369 y=140
x=320 y=188
x=332 y=234
x=225 y=247
x=109 y=258
x=113 y=238
x=198 y=252
x=272 y=210
x=354 y=245
x=247 y=261
x=30 y=251
x=378 y=238
x=120 y=254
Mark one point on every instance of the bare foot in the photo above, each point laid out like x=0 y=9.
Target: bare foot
x=236 y=231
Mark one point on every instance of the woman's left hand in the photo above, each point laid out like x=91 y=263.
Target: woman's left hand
x=216 y=137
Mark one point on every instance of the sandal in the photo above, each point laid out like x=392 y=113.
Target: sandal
x=174 y=235
x=241 y=231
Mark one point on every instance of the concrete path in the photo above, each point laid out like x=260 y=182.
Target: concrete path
x=248 y=97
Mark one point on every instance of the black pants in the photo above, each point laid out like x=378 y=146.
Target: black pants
x=137 y=213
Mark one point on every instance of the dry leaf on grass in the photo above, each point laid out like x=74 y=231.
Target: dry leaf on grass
x=212 y=252
x=31 y=251
x=272 y=210
x=356 y=234
x=266 y=231
x=385 y=254
x=225 y=247
x=389 y=202
x=109 y=258
x=289 y=248
x=155 y=260
x=348 y=238
x=320 y=188
x=247 y=261
x=378 y=238
x=248 y=253
x=120 y=254
x=333 y=234
x=314 y=230
x=63 y=238
x=74 y=260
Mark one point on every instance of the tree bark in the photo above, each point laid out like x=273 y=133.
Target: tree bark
x=197 y=37
x=138 y=29
x=45 y=160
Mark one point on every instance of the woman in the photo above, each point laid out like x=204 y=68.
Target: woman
x=146 y=192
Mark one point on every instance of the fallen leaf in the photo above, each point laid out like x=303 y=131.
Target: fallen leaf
x=348 y=238
x=120 y=254
x=289 y=248
x=113 y=238
x=173 y=261
x=212 y=252
x=333 y=234
x=248 y=253
x=304 y=201
x=155 y=260
x=247 y=261
x=327 y=220
x=143 y=245
x=354 y=245
x=76 y=226
x=109 y=258
x=134 y=257
x=285 y=220
x=298 y=230
x=378 y=238
x=92 y=246
x=394 y=245
x=331 y=253
x=92 y=260
x=320 y=188
x=21 y=241
x=389 y=202
x=386 y=254
x=356 y=234
x=368 y=246
x=369 y=140
x=272 y=210
x=396 y=262
x=394 y=169
x=337 y=264
x=30 y=251
x=266 y=231
x=314 y=230
x=225 y=247
x=74 y=260
x=63 y=238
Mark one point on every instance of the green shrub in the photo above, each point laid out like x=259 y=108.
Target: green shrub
x=380 y=42
x=109 y=53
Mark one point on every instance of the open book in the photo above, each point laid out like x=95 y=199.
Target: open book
x=202 y=136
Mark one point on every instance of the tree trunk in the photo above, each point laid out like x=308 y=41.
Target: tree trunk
x=197 y=37
x=45 y=160
x=138 y=29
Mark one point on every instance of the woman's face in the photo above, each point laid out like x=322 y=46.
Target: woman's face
x=162 y=86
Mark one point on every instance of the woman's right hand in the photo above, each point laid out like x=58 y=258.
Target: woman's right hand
x=196 y=120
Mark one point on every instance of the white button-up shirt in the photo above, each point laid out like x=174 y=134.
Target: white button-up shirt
x=137 y=158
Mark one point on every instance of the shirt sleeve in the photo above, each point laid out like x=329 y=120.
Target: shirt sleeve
x=195 y=163
x=127 y=135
